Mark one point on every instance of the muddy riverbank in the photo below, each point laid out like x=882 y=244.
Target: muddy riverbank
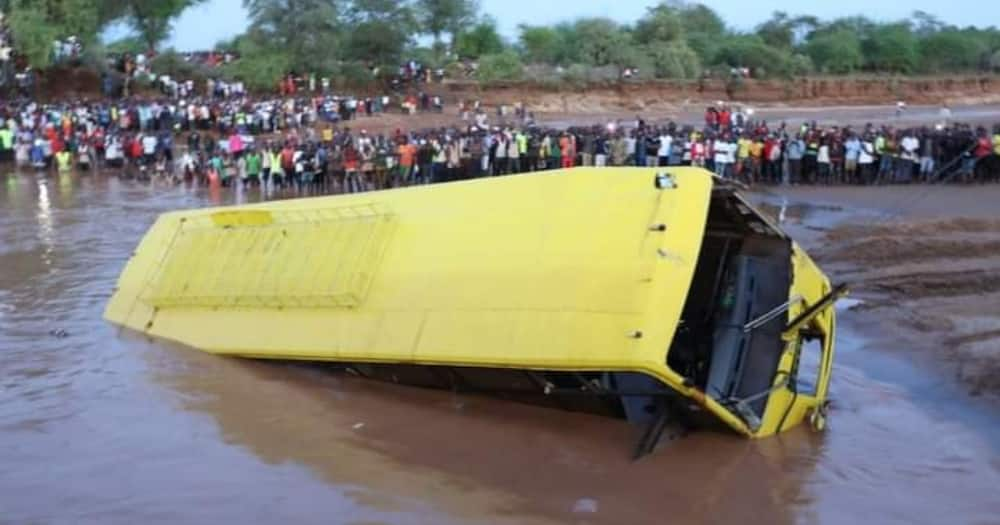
x=100 y=426
x=925 y=262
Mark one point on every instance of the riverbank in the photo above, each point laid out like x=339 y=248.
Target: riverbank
x=924 y=262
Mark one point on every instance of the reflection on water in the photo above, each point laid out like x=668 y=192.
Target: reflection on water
x=44 y=215
x=98 y=425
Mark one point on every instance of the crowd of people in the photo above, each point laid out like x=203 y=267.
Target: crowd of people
x=308 y=144
x=102 y=132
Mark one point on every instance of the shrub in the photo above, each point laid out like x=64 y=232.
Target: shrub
x=499 y=67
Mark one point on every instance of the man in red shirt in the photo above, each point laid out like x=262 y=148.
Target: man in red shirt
x=407 y=152
x=725 y=119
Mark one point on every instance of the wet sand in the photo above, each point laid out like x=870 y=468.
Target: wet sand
x=925 y=261
x=103 y=426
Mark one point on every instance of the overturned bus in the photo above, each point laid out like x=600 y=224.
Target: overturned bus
x=656 y=295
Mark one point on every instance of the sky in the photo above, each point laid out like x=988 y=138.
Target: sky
x=202 y=26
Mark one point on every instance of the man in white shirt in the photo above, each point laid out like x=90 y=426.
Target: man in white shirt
x=149 y=148
x=907 y=156
x=113 y=153
x=663 y=152
x=725 y=156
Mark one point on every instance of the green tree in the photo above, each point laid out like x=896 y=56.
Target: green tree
x=784 y=32
x=438 y=17
x=480 y=39
x=835 y=52
x=261 y=63
x=541 y=44
x=674 y=60
x=36 y=24
x=778 y=31
x=661 y=24
x=34 y=34
x=152 y=19
x=131 y=44
x=700 y=19
x=926 y=24
x=891 y=48
x=498 y=67
x=380 y=30
x=600 y=41
x=304 y=35
x=952 y=50
x=752 y=52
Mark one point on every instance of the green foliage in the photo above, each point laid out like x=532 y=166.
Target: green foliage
x=151 y=19
x=576 y=73
x=673 y=39
x=301 y=35
x=260 y=65
x=752 y=52
x=34 y=34
x=380 y=30
x=953 y=50
x=674 y=60
x=836 y=52
x=438 y=17
x=132 y=44
x=704 y=45
x=500 y=67
x=891 y=48
x=173 y=64
x=661 y=24
x=543 y=44
x=601 y=41
x=700 y=19
x=479 y=40
x=426 y=55
x=778 y=31
x=799 y=65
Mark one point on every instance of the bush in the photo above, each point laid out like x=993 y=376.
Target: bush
x=499 y=67
x=675 y=60
x=173 y=64
x=836 y=52
x=752 y=52
x=800 y=65
x=33 y=35
x=259 y=71
x=891 y=48
x=352 y=75
x=952 y=51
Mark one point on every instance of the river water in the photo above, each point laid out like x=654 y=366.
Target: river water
x=103 y=426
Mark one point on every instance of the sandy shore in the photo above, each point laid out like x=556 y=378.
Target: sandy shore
x=925 y=264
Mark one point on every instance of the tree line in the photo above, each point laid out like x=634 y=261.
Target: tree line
x=348 y=39
x=36 y=24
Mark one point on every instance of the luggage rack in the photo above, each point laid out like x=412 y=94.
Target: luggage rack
x=286 y=258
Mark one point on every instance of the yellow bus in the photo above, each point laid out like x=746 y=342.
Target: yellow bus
x=659 y=295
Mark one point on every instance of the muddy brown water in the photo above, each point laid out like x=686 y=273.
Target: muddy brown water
x=103 y=426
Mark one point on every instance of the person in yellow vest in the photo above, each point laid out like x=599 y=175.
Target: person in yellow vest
x=996 y=142
x=277 y=173
x=6 y=144
x=64 y=160
x=743 y=155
